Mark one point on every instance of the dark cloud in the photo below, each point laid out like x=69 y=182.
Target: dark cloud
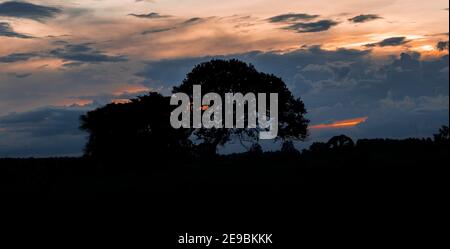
x=291 y=17
x=152 y=15
x=44 y=132
x=77 y=54
x=84 y=53
x=7 y=30
x=442 y=45
x=393 y=41
x=307 y=27
x=186 y=23
x=17 y=57
x=27 y=10
x=158 y=30
x=46 y=121
x=364 y=18
x=171 y=72
x=21 y=75
x=194 y=20
x=72 y=64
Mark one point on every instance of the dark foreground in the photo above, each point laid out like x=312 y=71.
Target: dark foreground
x=370 y=165
x=372 y=195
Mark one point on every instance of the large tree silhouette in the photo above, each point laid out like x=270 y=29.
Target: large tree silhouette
x=233 y=76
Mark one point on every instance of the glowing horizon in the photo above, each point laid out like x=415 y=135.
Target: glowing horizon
x=346 y=123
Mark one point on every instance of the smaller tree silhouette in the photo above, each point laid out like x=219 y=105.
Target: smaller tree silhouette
x=318 y=147
x=140 y=128
x=443 y=135
x=340 y=142
x=256 y=149
x=288 y=148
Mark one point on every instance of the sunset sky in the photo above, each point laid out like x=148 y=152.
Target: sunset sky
x=383 y=65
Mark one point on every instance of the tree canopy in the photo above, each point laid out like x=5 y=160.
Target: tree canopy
x=234 y=76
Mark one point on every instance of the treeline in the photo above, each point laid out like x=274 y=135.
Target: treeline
x=366 y=162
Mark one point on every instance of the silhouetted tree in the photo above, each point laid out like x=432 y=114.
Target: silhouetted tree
x=256 y=149
x=288 y=148
x=318 y=147
x=443 y=135
x=135 y=129
x=233 y=76
x=339 y=142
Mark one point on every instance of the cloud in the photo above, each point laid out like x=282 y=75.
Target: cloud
x=47 y=131
x=17 y=57
x=151 y=15
x=308 y=27
x=347 y=123
x=158 y=30
x=191 y=21
x=84 y=53
x=364 y=18
x=291 y=17
x=75 y=53
x=27 y=10
x=194 y=20
x=393 y=41
x=7 y=30
x=72 y=64
x=417 y=104
x=22 y=75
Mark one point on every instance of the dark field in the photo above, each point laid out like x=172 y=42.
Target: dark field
x=370 y=165
x=376 y=192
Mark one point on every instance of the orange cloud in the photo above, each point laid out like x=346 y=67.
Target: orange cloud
x=78 y=102
x=347 y=123
x=131 y=90
x=121 y=101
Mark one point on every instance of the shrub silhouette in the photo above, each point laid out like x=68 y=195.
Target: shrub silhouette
x=233 y=76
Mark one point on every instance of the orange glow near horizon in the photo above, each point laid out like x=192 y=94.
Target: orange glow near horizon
x=131 y=90
x=77 y=102
x=121 y=101
x=347 y=123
